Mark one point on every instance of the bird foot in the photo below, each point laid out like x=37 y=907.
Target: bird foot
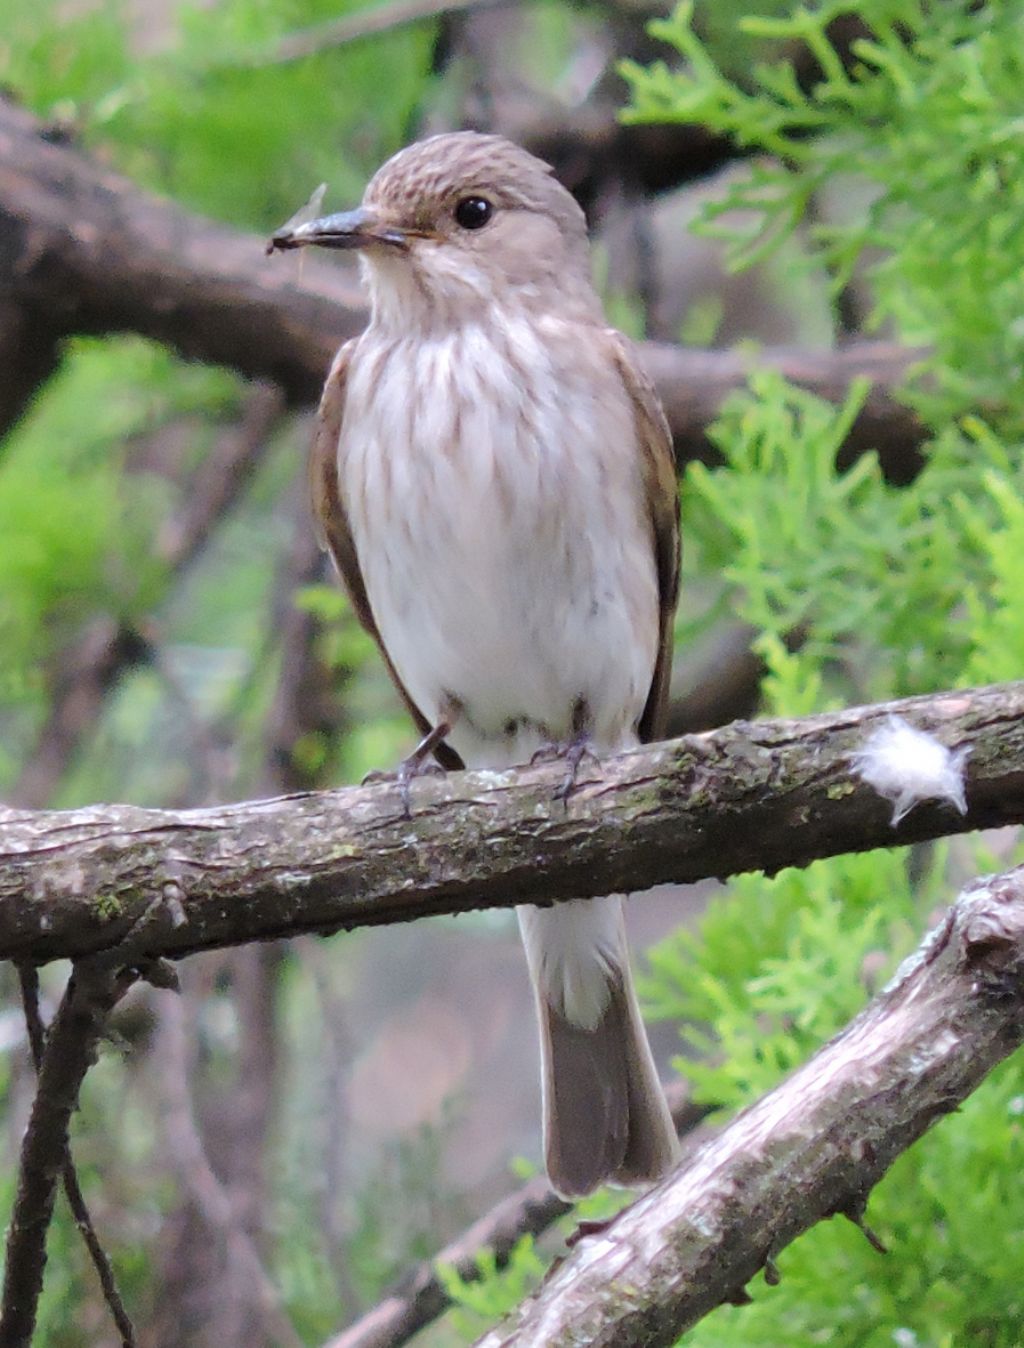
x=588 y=1226
x=418 y=764
x=572 y=754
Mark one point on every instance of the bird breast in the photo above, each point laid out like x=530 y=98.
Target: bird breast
x=492 y=479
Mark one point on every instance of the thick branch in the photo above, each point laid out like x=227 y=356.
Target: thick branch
x=813 y=1148
x=87 y=251
x=420 y=1297
x=94 y=254
x=752 y=796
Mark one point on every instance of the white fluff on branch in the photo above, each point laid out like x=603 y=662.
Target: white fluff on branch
x=908 y=766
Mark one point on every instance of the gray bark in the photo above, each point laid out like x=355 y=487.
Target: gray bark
x=812 y=1148
x=754 y=795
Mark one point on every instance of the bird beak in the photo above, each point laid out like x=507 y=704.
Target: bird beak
x=349 y=229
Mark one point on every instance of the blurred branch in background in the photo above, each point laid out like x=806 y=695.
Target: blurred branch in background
x=83 y=675
x=97 y=255
x=213 y=1286
x=212 y=1275
x=381 y=18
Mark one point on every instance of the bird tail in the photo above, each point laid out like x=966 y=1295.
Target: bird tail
x=605 y=1114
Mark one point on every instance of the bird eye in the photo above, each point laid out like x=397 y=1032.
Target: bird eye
x=473 y=212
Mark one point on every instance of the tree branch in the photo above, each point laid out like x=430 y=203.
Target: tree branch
x=94 y=254
x=751 y=796
x=188 y=1156
x=220 y=479
x=28 y=976
x=812 y=1148
x=87 y=251
x=94 y=988
x=74 y=1035
x=420 y=1297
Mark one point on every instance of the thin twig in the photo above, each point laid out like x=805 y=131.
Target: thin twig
x=221 y=478
x=188 y=1154
x=94 y=988
x=28 y=977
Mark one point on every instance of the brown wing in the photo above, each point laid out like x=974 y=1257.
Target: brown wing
x=658 y=467
x=335 y=534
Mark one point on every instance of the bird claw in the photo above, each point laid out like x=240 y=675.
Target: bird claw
x=572 y=754
x=588 y=1226
x=547 y=753
x=418 y=764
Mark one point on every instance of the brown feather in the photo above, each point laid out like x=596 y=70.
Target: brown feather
x=658 y=468
x=335 y=533
x=606 y=1115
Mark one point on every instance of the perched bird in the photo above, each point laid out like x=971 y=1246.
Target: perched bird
x=494 y=477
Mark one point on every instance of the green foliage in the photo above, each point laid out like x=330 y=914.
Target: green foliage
x=996 y=608
x=702 y=321
x=398 y=1205
x=890 y=590
x=495 y=1292
x=857 y=565
x=894 y=590
x=72 y=540
x=793 y=957
x=925 y=125
x=205 y=115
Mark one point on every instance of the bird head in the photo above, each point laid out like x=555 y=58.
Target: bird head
x=459 y=221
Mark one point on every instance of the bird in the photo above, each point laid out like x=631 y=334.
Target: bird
x=494 y=477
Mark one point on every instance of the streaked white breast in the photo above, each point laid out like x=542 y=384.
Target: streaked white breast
x=492 y=480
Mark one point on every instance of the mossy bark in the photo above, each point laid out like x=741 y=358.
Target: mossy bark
x=752 y=796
